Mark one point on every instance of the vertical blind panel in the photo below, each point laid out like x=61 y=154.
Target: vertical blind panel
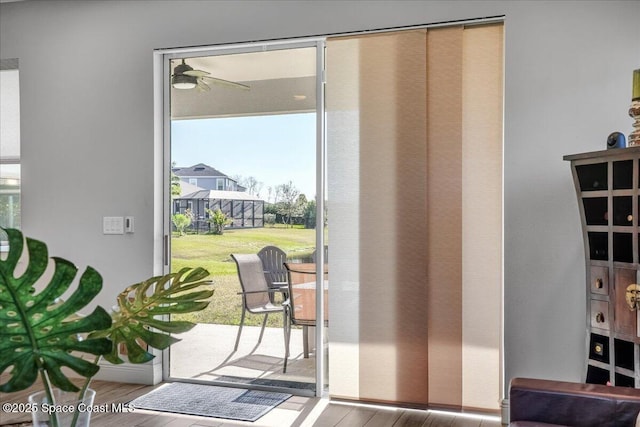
x=392 y=317
x=482 y=85
x=343 y=180
x=444 y=215
x=409 y=212
x=377 y=256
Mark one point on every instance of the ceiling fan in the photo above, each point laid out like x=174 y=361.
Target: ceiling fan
x=185 y=77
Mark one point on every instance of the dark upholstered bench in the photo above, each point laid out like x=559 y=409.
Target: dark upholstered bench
x=554 y=403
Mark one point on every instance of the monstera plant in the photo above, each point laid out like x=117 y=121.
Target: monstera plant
x=41 y=332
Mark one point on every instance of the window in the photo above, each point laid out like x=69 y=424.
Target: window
x=9 y=146
x=193 y=181
x=220 y=184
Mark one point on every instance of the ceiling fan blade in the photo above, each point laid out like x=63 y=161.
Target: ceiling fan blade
x=196 y=73
x=202 y=86
x=227 y=83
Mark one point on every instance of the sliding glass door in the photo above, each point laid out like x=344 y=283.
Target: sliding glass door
x=243 y=150
x=414 y=149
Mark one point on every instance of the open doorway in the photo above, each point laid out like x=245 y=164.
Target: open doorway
x=243 y=144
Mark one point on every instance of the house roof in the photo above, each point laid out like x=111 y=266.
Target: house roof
x=197 y=170
x=187 y=188
x=220 y=194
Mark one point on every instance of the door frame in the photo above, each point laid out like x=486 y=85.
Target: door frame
x=162 y=168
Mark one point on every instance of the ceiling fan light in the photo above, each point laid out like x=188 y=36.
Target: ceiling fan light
x=181 y=81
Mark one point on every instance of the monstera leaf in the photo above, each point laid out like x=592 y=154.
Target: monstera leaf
x=139 y=304
x=38 y=331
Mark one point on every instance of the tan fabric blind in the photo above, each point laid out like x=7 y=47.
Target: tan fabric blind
x=414 y=140
x=444 y=215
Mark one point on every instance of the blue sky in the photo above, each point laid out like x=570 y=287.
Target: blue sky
x=273 y=149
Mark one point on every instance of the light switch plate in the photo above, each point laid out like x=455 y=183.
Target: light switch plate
x=128 y=224
x=113 y=225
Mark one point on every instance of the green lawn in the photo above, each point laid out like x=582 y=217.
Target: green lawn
x=213 y=253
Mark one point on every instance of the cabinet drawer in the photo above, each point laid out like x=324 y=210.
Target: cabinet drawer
x=600 y=280
x=599 y=348
x=600 y=314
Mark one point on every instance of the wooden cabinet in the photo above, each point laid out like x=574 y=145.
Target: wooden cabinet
x=608 y=186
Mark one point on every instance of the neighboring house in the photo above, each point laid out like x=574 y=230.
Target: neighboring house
x=206 y=177
x=203 y=187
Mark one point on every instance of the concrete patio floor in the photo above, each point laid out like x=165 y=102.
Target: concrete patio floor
x=205 y=353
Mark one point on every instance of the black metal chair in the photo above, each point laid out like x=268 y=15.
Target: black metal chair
x=255 y=291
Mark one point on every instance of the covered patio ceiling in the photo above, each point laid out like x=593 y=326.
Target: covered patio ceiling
x=281 y=81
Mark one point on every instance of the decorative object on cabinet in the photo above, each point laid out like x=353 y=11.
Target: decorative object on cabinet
x=633 y=296
x=616 y=140
x=607 y=185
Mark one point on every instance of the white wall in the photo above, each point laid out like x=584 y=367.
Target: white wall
x=87 y=130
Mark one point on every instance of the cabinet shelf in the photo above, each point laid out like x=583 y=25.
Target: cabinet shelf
x=622 y=229
x=597 y=330
x=626 y=372
x=616 y=193
x=627 y=337
x=622 y=247
x=622 y=380
x=625 y=265
x=597 y=374
x=599 y=365
x=623 y=174
x=595 y=194
x=592 y=177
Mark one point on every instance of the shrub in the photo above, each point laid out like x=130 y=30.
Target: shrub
x=181 y=222
x=218 y=220
x=270 y=219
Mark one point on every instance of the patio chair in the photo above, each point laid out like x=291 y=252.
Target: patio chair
x=255 y=292
x=273 y=259
x=326 y=254
x=300 y=305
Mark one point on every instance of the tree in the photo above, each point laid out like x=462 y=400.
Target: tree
x=270 y=208
x=287 y=205
x=309 y=214
x=175 y=183
x=252 y=185
x=300 y=207
x=269 y=193
x=277 y=194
